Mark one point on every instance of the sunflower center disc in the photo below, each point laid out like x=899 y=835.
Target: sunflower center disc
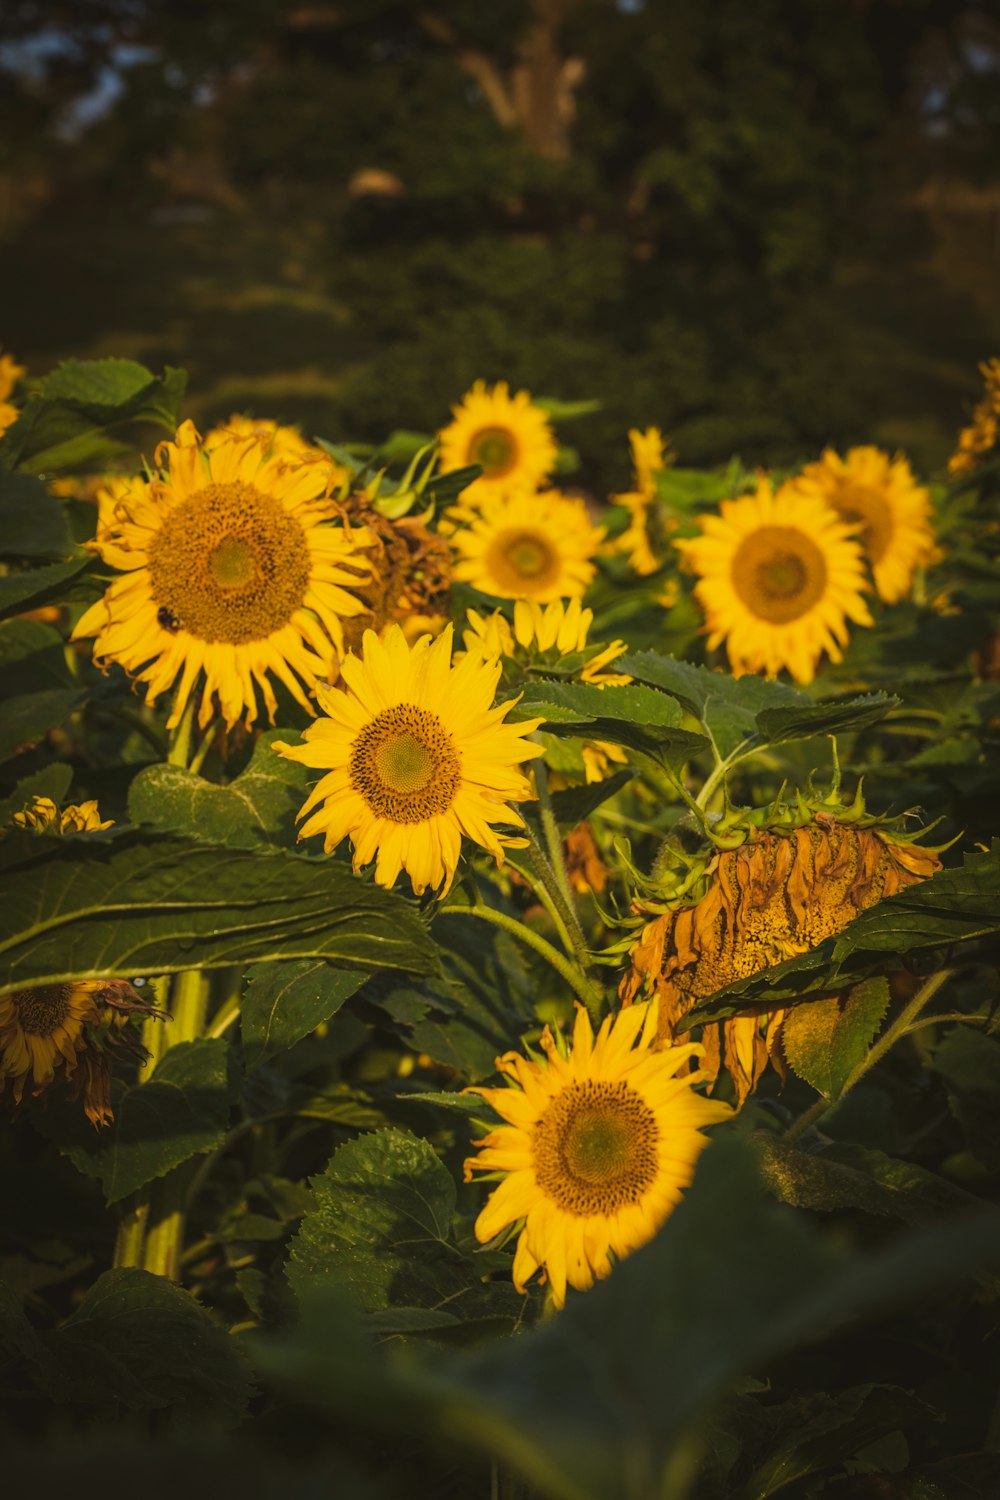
x=495 y=449
x=595 y=1148
x=867 y=509
x=405 y=765
x=229 y=564
x=41 y=1011
x=522 y=562
x=779 y=573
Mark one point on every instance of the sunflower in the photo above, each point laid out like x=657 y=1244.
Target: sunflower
x=10 y=374
x=528 y=546
x=778 y=894
x=599 y=1142
x=509 y=436
x=979 y=439
x=558 y=629
x=648 y=459
x=779 y=577
x=43 y=816
x=286 y=443
x=415 y=755
x=880 y=495
x=229 y=571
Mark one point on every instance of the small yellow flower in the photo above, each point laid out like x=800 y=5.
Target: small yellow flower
x=415 y=755
x=982 y=435
x=528 y=546
x=648 y=459
x=779 y=577
x=511 y=438
x=599 y=1141
x=10 y=374
x=43 y=816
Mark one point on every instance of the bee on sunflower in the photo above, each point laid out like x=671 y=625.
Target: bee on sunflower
x=416 y=755
x=879 y=494
x=599 y=1139
x=527 y=546
x=235 y=567
x=779 y=576
x=508 y=436
x=798 y=874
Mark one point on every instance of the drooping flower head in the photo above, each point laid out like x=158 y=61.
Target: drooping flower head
x=649 y=458
x=528 y=546
x=416 y=756
x=510 y=437
x=879 y=494
x=779 y=576
x=802 y=873
x=599 y=1141
x=235 y=569
x=982 y=436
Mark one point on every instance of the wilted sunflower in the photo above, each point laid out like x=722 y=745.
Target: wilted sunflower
x=779 y=894
x=879 y=494
x=416 y=755
x=779 y=577
x=10 y=374
x=648 y=460
x=529 y=546
x=600 y=1141
x=51 y=1031
x=231 y=572
x=982 y=435
x=509 y=436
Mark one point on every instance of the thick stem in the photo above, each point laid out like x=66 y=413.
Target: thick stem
x=180 y=739
x=578 y=982
x=894 y=1033
x=130 y=1240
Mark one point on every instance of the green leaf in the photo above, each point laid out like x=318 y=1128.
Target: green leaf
x=566 y=411
x=843 y=1424
x=256 y=810
x=38 y=586
x=284 y=1002
x=65 y=421
x=969 y=1063
x=53 y=781
x=381 y=1226
x=29 y=717
x=32 y=521
x=840 y=715
x=182 y=1111
x=21 y=1346
x=825 y=1040
x=138 y=1341
x=576 y=803
x=138 y=904
x=934 y=920
x=35 y=683
x=632 y=715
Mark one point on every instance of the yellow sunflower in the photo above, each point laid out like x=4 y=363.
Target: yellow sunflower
x=286 y=443
x=879 y=494
x=979 y=439
x=416 y=755
x=511 y=438
x=648 y=459
x=10 y=374
x=561 y=628
x=528 y=546
x=43 y=816
x=230 y=570
x=600 y=1141
x=779 y=577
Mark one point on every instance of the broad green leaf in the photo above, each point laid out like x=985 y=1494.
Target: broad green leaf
x=566 y=411
x=22 y=1350
x=29 y=717
x=842 y=715
x=53 y=782
x=603 y=1401
x=32 y=521
x=633 y=715
x=576 y=803
x=140 y=1342
x=283 y=1002
x=157 y=904
x=256 y=810
x=843 y=1424
x=182 y=1111
x=381 y=1226
x=66 y=421
x=825 y=1040
x=38 y=586
x=934 y=920
x=969 y=1063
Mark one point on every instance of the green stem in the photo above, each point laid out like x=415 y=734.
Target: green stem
x=204 y=745
x=903 y=1024
x=180 y=739
x=131 y=1237
x=544 y=895
x=190 y=1005
x=572 y=932
x=577 y=981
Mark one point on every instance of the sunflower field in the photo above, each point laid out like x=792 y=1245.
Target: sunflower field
x=500 y=992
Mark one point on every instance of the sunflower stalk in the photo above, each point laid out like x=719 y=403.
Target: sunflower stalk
x=551 y=866
x=902 y=1026
x=574 y=976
